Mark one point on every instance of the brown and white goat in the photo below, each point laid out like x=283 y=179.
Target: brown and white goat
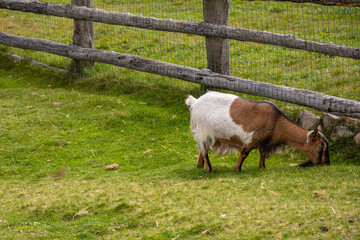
x=225 y=123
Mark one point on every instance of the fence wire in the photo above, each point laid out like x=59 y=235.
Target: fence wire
x=295 y=68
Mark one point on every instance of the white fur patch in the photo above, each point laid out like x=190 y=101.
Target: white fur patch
x=190 y=100
x=210 y=119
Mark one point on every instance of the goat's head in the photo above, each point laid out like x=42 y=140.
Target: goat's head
x=317 y=148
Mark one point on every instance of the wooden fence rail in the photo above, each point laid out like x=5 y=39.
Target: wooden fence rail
x=312 y=99
x=197 y=28
x=351 y=3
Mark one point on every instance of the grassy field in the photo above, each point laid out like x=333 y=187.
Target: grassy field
x=57 y=138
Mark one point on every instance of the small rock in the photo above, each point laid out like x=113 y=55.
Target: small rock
x=352 y=122
x=83 y=212
x=330 y=120
x=112 y=166
x=207 y=231
x=56 y=104
x=320 y=194
x=343 y=131
x=309 y=120
x=357 y=139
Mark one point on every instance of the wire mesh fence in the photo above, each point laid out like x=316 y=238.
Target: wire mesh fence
x=266 y=63
x=295 y=68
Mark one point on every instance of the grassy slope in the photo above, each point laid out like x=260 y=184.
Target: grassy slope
x=50 y=128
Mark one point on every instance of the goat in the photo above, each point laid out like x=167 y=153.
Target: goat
x=225 y=123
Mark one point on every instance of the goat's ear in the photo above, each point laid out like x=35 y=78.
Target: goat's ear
x=314 y=135
x=319 y=128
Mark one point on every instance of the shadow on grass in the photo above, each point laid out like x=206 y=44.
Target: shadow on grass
x=251 y=171
x=277 y=166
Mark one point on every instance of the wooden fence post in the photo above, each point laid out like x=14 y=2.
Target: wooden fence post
x=83 y=35
x=217 y=49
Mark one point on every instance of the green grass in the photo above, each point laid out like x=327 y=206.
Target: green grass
x=58 y=135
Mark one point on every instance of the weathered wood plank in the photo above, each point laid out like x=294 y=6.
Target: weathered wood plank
x=20 y=58
x=217 y=49
x=350 y=3
x=83 y=35
x=307 y=98
x=197 y=28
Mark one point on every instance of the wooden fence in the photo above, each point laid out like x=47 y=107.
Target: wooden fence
x=353 y=3
x=216 y=35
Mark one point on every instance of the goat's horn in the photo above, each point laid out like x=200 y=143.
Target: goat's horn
x=308 y=135
x=323 y=136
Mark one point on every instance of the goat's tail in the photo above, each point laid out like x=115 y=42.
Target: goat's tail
x=190 y=100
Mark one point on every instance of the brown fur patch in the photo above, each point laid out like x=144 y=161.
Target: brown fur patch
x=257 y=117
x=234 y=141
x=252 y=116
x=271 y=127
x=228 y=146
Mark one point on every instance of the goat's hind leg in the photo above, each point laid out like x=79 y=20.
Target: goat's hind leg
x=207 y=161
x=200 y=163
x=203 y=155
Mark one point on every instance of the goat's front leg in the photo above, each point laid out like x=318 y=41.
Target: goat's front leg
x=239 y=163
x=200 y=163
x=262 y=161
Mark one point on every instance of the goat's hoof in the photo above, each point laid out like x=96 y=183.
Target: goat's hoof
x=294 y=165
x=200 y=166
